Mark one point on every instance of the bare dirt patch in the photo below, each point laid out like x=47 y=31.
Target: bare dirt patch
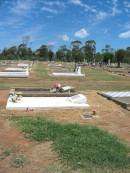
x=38 y=156
x=3 y=97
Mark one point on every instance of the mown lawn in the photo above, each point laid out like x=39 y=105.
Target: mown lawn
x=100 y=75
x=78 y=146
x=96 y=79
x=41 y=71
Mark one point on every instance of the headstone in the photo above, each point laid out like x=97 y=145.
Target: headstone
x=80 y=99
x=78 y=70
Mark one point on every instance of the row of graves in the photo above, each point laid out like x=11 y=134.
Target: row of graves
x=122 y=98
x=58 y=96
x=20 y=70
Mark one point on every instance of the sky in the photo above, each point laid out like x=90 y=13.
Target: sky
x=59 y=22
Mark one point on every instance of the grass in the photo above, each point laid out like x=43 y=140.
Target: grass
x=41 y=71
x=96 y=79
x=5 y=153
x=80 y=147
x=100 y=75
x=19 y=161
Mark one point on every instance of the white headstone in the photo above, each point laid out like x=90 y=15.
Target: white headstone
x=78 y=70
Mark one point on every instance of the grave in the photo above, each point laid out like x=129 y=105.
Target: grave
x=122 y=98
x=14 y=74
x=23 y=65
x=34 y=98
x=11 y=69
x=65 y=91
x=76 y=73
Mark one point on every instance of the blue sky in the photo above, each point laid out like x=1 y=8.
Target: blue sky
x=58 y=22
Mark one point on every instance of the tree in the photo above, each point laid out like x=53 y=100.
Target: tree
x=120 y=54
x=108 y=57
x=127 y=57
x=12 y=52
x=76 y=51
x=69 y=56
x=17 y=52
x=62 y=53
x=90 y=50
x=99 y=57
x=23 y=52
x=43 y=52
x=51 y=55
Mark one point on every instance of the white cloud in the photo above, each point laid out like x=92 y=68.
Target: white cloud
x=12 y=22
x=84 y=5
x=54 y=3
x=127 y=4
x=98 y=15
x=53 y=7
x=65 y=37
x=115 y=9
x=77 y=2
x=50 y=10
x=125 y=35
x=22 y=7
x=82 y=33
x=17 y=12
x=101 y=15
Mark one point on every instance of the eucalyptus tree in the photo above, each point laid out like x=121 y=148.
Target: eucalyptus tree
x=108 y=57
x=127 y=57
x=43 y=52
x=51 y=55
x=76 y=51
x=99 y=57
x=12 y=52
x=120 y=55
x=62 y=53
x=90 y=50
x=23 y=52
x=9 y=53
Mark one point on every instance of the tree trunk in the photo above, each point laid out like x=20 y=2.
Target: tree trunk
x=118 y=64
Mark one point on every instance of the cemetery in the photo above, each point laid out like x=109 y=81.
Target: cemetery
x=64 y=86
x=60 y=108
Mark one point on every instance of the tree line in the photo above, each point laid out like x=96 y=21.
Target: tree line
x=77 y=52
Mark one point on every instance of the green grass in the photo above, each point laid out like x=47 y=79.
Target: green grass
x=5 y=153
x=41 y=70
x=96 y=79
x=100 y=75
x=78 y=146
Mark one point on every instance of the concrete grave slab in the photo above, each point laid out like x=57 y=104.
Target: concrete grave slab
x=47 y=102
x=77 y=73
x=122 y=98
